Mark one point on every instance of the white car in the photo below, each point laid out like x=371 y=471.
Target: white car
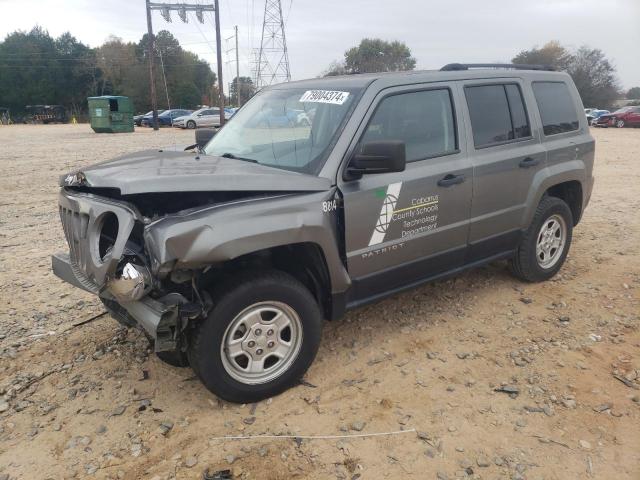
x=205 y=117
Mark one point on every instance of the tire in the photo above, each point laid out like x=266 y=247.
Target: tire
x=620 y=123
x=244 y=310
x=533 y=265
x=191 y=124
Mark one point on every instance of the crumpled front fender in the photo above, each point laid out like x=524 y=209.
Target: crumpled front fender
x=217 y=234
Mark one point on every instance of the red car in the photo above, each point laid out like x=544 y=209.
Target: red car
x=624 y=117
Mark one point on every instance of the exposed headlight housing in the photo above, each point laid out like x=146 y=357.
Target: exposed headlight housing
x=74 y=179
x=131 y=285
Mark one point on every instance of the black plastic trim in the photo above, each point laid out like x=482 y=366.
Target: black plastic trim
x=439 y=276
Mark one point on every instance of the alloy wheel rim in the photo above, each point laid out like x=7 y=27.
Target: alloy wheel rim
x=261 y=342
x=551 y=241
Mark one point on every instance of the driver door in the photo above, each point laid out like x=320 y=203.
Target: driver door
x=406 y=227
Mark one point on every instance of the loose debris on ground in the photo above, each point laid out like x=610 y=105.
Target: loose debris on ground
x=500 y=379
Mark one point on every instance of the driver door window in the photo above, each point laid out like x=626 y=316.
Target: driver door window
x=422 y=120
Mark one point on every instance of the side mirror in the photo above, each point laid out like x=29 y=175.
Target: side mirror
x=203 y=135
x=378 y=157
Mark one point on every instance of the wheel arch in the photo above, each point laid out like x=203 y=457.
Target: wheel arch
x=305 y=261
x=571 y=193
x=567 y=181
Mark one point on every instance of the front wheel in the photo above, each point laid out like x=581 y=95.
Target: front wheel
x=191 y=124
x=620 y=123
x=545 y=244
x=259 y=339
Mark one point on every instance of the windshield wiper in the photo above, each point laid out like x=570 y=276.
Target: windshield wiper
x=231 y=155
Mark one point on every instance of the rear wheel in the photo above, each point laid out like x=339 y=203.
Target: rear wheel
x=260 y=338
x=191 y=124
x=544 y=246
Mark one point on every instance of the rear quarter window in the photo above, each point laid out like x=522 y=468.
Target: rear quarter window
x=498 y=114
x=556 y=106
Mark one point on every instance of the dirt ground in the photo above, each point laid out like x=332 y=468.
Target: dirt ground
x=89 y=400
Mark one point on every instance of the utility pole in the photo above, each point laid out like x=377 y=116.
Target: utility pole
x=237 y=69
x=182 y=9
x=150 y=55
x=219 y=56
x=235 y=37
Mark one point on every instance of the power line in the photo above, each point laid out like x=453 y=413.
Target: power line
x=128 y=65
x=182 y=9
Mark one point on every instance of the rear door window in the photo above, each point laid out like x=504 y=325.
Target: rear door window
x=556 y=106
x=498 y=114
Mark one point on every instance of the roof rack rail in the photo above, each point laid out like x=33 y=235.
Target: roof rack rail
x=515 y=66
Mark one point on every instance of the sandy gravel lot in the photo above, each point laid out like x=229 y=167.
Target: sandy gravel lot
x=80 y=401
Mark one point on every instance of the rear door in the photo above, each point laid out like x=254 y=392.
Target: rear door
x=506 y=156
x=402 y=228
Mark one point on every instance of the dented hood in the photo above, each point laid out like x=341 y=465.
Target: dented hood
x=165 y=171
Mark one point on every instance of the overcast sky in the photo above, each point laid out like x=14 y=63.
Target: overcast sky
x=318 y=32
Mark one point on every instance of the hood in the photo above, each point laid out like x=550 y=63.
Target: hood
x=166 y=171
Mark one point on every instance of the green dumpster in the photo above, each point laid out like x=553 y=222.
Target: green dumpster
x=111 y=114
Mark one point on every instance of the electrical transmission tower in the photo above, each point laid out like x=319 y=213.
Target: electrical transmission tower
x=272 y=64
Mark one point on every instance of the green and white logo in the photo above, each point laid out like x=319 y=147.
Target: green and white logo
x=386 y=213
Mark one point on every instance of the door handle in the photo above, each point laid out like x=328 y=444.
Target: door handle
x=529 y=162
x=450 y=179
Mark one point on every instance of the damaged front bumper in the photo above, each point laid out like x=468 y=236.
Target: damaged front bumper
x=159 y=320
x=106 y=265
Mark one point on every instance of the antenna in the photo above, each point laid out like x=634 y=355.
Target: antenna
x=272 y=64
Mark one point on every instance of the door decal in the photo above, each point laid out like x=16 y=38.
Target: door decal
x=386 y=213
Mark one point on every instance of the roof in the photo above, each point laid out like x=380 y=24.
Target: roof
x=361 y=80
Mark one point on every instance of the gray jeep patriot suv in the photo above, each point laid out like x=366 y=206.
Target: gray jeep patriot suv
x=320 y=196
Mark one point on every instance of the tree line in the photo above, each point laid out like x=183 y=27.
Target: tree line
x=592 y=72
x=36 y=68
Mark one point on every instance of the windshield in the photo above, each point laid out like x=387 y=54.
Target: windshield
x=292 y=128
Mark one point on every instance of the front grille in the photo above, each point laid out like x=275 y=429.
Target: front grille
x=96 y=230
x=75 y=226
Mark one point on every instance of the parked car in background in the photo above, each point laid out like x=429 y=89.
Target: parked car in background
x=587 y=111
x=205 y=117
x=623 y=117
x=595 y=114
x=148 y=117
x=137 y=119
x=166 y=118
